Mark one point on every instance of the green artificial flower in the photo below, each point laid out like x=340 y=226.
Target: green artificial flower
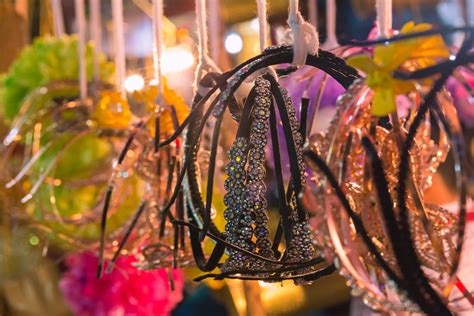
x=45 y=72
x=47 y=59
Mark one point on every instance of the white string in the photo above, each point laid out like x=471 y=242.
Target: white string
x=202 y=28
x=119 y=46
x=58 y=18
x=331 y=18
x=262 y=23
x=158 y=44
x=214 y=29
x=388 y=16
x=81 y=23
x=303 y=35
x=313 y=12
x=96 y=34
x=262 y=32
x=384 y=17
x=206 y=64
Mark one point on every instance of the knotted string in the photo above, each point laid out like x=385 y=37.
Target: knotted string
x=206 y=64
x=262 y=35
x=302 y=34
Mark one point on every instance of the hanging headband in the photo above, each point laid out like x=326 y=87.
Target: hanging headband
x=325 y=61
x=413 y=279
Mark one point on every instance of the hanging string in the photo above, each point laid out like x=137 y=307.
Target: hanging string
x=202 y=27
x=262 y=33
x=262 y=23
x=96 y=35
x=81 y=23
x=304 y=36
x=58 y=18
x=331 y=17
x=206 y=64
x=384 y=17
x=158 y=46
x=119 y=46
x=388 y=16
x=214 y=29
x=313 y=12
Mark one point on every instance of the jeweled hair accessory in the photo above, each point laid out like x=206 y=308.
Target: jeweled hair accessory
x=252 y=253
x=399 y=252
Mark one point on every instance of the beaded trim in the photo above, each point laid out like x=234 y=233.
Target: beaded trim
x=225 y=94
x=245 y=201
x=302 y=246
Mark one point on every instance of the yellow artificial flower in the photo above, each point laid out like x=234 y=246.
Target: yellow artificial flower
x=149 y=95
x=411 y=54
x=112 y=111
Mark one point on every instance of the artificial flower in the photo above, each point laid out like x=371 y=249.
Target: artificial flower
x=411 y=54
x=124 y=291
x=112 y=111
x=149 y=95
x=47 y=59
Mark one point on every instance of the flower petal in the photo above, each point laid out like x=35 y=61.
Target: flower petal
x=402 y=86
x=408 y=27
x=383 y=102
x=362 y=62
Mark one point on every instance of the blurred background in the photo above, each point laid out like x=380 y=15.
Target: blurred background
x=234 y=26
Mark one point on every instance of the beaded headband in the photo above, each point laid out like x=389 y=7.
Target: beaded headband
x=255 y=120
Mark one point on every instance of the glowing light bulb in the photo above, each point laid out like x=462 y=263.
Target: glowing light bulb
x=233 y=43
x=134 y=82
x=176 y=59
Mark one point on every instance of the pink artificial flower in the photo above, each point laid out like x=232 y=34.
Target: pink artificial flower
x=126 y=291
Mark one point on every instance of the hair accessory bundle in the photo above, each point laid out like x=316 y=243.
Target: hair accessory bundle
x=246 y=190
x=398 y=251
